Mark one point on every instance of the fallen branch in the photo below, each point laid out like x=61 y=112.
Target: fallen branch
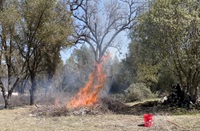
x=37 y=106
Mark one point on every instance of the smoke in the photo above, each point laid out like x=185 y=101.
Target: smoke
x=89 y=94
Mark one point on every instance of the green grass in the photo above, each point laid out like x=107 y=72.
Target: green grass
x=20 y=119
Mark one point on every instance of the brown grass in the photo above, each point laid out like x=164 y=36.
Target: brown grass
x=21 y=119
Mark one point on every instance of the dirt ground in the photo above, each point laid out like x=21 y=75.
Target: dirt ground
x=21 y=119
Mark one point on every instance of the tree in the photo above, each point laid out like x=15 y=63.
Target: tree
x=10 y=61
x=45 y=25
x=98 y=23
x=145 y=65
x=115 y=73
x=171 y=30
x=31 y=35
x=52 y=50
x=77 y=69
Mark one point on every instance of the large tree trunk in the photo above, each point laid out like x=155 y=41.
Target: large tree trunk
x=194 y=94
x=7 y=101
x=5 y=95
x=189 y=80
x=32 y=90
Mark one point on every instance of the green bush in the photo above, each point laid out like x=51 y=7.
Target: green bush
x=138 y=91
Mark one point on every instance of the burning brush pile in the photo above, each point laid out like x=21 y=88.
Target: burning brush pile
x=87 y=100
x=105 y=105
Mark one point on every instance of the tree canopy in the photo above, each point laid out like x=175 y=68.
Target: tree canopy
x=32 y=34
x=169 y=32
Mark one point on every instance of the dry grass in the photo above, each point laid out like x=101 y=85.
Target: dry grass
x=20 y=119
x=141 y=101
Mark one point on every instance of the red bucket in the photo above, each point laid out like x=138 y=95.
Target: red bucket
x=148 y=120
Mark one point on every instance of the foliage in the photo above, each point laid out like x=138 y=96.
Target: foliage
x=118 y=96
x=123 y=76
x=143 y=67
x=76 y=71
x=138 y=91
x=169 y=34
x=117 y=83
x=45 y=29
x=32 y=35
x=11 y=64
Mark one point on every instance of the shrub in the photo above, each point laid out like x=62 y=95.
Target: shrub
x=118 y=96
x=138 y=91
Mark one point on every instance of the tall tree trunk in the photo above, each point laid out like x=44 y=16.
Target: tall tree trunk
x=7 y=101
x=194 y=93
x=192 y=86
x=32 y=90
x=5 y=95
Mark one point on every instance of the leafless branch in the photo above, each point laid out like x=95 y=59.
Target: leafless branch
x=75 y=4
x=101 y=26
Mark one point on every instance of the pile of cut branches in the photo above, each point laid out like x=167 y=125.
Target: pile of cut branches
x=106 y=105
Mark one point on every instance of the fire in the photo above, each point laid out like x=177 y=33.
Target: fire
x=89 y=94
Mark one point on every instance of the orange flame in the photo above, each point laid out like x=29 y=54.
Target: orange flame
x=88 y=95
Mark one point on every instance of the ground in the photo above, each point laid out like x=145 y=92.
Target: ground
x=21 y=119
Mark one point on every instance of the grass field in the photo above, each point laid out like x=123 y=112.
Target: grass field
x=21 y=119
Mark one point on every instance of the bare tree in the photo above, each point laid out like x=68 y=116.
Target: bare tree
x=99 y=22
